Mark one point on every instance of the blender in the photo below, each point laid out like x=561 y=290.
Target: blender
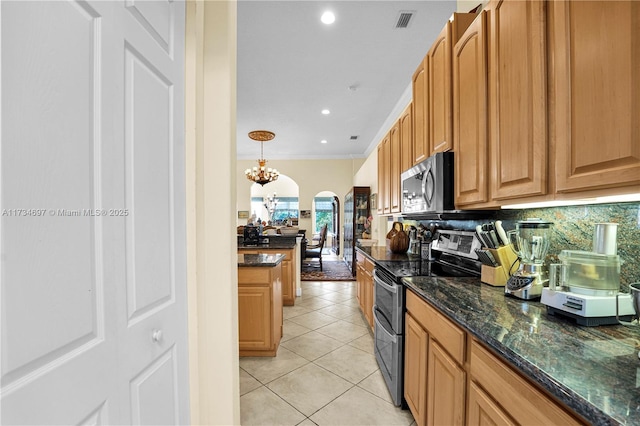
x=531 y=243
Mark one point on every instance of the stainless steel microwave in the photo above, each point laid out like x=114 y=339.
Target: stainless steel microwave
x=428 y=186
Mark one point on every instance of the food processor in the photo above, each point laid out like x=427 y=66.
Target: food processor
x=586 y=284
x=530 y=242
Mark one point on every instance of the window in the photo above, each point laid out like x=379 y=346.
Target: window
x=324 y=213
x=287 y=208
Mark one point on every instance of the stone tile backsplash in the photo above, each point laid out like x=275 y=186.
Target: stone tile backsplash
x=573 y=230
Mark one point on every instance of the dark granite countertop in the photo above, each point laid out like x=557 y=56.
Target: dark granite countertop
x=260 y=260
x=380 y=253
x=593 y=370
x=270 y=242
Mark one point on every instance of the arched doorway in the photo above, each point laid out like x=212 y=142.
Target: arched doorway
x=326 y=210
x=286 y=191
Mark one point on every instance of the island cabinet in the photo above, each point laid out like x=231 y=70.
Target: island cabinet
x=517 y=98
x=595 y=125
x=289 y=271
x=364 y=286
x=435 y=377
x=259 y=310
x=499 y=393
x=439 y=87
x=471 y=143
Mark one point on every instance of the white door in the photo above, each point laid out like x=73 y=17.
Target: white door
x=93 y=281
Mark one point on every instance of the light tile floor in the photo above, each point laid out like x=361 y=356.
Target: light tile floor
x=325 y=372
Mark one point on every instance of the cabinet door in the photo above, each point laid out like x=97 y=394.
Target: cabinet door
x=386 y=183
x=254 y=325
x=483 y=411
x=382 y=176
x=517 y=98
x=445 y=388
x=470 y=115
x=595 y=113
x=420 y=140
x=440 y=132
x=415 y=369
x=288 y=282
x=406 y=140
x=394 y=168
x=368 y=297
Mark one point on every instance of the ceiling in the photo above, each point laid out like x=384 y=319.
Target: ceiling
x=291 y=66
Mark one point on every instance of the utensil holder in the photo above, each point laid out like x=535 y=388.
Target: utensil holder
x=498 y=275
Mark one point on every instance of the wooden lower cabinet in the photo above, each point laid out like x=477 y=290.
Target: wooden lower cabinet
x=517 y=397
x=483 y=410
x=451 y=379
x=259 y=310
x=415 y=368
x=445 y=388
x=364 y=283
x=289 y=271
x=434 y=381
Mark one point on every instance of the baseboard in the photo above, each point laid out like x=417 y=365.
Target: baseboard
x=298 y=292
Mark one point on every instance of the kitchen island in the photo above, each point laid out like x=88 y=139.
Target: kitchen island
x=259 y=303
x=283 y=244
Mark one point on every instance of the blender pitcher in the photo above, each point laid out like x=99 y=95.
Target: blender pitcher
x=533 y=237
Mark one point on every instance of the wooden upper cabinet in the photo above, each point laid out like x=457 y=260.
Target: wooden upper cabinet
x=470 y=115
x=394 y=168
x=406 y=139
x=595 y=121
x=382 y=177
x=440 y=123
x=420 y=141
x=518 y=98
x=386 y=147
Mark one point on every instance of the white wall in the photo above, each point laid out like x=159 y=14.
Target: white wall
x=212 y=277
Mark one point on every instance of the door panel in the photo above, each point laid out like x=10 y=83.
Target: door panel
x=54 y=310
x=150 y=404
x=92 y=165
x=148 y=94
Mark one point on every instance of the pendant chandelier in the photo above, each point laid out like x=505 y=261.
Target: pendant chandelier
x=262 y=174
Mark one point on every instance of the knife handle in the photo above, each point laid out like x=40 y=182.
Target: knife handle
x=501 y=233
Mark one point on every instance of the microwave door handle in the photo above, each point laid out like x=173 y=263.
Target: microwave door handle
x=428 y=182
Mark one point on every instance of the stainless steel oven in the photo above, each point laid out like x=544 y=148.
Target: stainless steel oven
x=389 y=300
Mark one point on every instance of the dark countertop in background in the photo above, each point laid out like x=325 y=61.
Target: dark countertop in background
x=379 y=253
x=260 y=260
x=593 y=370
x=274 y=242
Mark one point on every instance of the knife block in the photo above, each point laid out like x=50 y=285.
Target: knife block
x=498 y=275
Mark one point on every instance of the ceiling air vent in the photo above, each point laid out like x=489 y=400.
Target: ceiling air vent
x=353 y=138
x=404 y=18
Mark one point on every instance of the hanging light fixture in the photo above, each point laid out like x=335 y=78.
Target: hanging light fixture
x=262 y=174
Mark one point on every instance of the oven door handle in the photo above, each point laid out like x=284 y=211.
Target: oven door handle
x=378 y=326
x=390 y=288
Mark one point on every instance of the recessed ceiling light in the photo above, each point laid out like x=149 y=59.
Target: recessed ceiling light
x=328 y=18
x=325 y=112
x=323 y=141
